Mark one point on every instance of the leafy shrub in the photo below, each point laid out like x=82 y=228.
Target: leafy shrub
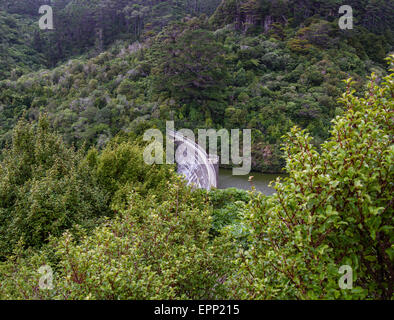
x=334 y=209
x=120 y=168
x=227 y=207
x=45 y=188
x=152 y=250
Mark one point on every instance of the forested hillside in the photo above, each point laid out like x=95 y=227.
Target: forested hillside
x=92 y=25
x=16 y=52
x=372 y=15
x=232 y=70
x=77 y=197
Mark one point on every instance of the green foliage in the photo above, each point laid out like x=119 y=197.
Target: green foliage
x=17 y=56
x=120 y=168
x=191 y=61
x=168 y=241
x=113 y=227
x=45 y=188
x=153 y=250
x=90 y=26
x=371 y=14
x=198 y=78
x=228 y=207
x=334 y=209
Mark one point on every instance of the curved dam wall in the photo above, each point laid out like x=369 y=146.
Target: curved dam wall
x=199 y=169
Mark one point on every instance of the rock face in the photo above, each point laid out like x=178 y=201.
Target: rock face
x=246 y=14
x=199 y=169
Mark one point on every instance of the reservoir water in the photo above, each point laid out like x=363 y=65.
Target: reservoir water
x=260 y=181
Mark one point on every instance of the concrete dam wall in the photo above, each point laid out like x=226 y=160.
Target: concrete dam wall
x=199 y=169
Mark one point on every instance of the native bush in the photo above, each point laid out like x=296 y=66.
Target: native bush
x=227 y=207
x=334 y=209
x=151 y=250
x=120 y=168
x=45 y=188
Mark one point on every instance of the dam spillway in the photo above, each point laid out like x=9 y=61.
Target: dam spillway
x=199 y=169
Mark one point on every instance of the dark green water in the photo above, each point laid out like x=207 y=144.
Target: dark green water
x=260 y=181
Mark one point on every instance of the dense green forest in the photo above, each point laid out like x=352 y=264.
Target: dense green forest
x=218 y=72
x=76 y=194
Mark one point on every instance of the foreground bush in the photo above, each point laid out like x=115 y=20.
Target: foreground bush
x=335 y=209
x=45 y=188
x=153 y=250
